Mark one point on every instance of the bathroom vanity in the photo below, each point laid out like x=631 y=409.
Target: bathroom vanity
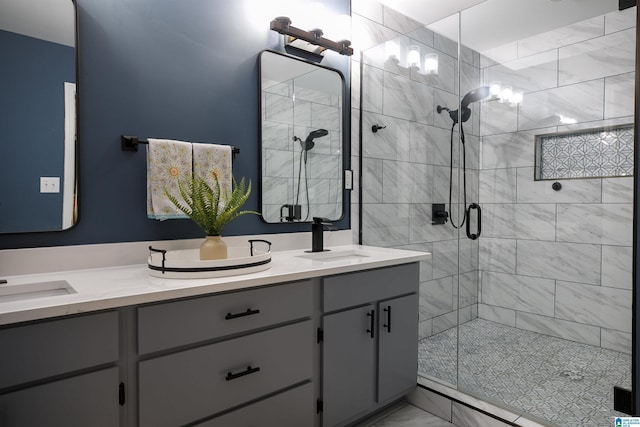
x=318 y=340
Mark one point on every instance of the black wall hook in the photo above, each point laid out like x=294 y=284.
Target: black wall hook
x=376 y=128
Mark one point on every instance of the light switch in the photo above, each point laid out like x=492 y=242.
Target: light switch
x=348 y=179
x=49 y=184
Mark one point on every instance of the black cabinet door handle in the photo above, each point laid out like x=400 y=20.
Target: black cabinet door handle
x=372 y=326
x=249 y=370
x=388 y=324
x=249 y=312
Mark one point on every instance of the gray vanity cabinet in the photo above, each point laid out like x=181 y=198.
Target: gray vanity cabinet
x=398 y=345
x=370 y=339
x=349 y=365
x=62 y=372
x=226 y=353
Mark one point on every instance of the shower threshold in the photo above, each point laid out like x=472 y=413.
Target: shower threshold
x=543 y=378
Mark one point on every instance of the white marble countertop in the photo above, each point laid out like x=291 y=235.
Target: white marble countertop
x=104 y=288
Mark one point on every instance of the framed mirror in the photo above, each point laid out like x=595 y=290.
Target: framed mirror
x=37 y=115
x=302 y=111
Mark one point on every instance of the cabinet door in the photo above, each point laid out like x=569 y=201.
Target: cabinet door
x=398 y=346
x=348 y=364
x=84 y=400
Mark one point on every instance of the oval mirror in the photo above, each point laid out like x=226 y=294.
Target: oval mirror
x=302 y=144
x=37 y=115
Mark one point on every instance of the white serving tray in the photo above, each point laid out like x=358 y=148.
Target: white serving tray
x=186 y=263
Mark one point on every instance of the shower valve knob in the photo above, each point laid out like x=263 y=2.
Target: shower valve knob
x=439 y=215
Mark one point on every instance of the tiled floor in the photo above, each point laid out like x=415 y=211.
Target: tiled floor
x=561 y=381
x=409 y=416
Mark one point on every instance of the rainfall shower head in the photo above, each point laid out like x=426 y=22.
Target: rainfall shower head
x=473 y=96
x=308 y=143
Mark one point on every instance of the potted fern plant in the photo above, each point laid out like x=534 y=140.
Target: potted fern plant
x=211 y=210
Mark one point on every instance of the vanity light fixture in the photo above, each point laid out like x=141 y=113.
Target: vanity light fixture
x=309 y=41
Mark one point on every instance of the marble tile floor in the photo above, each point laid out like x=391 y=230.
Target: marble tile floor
x=563 y=382
x=405 y=415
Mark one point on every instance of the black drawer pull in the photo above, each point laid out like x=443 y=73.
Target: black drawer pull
x=249 y=370
x=249 y=312
x=372 y=314
x=388 y=324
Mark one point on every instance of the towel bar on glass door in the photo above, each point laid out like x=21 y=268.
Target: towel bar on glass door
x=130 y=143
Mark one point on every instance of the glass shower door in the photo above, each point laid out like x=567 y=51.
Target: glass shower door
x=407 y=175
x=553 y=334
x=535 y=314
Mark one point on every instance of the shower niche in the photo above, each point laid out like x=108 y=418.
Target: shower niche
x=302 y=107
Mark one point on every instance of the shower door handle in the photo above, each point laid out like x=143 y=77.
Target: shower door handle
x=469 y=234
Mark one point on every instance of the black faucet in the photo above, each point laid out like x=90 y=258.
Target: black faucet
x=317 y=228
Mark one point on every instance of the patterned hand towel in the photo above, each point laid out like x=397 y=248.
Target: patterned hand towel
x=167 y=162
x=211 y=160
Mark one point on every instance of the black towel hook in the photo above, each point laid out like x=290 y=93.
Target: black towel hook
x=376 y=128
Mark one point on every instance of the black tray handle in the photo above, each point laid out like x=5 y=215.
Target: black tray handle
x=252 y=241
x=164 y=255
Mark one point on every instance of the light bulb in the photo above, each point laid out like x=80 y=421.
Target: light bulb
x=309 y=16
x=495 y=89
x=506 y=94
x=431 y=63
x=517 y=97
x=392 y=50
x=338 y=28
x=413 y=56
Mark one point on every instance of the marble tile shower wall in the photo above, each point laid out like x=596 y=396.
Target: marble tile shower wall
x=406 y=165
x=558 y=262
x=283 y=118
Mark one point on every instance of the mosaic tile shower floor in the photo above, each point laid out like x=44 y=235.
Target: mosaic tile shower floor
x=564 y=382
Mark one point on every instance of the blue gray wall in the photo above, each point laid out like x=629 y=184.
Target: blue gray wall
x=32 y=79
x=168 y=69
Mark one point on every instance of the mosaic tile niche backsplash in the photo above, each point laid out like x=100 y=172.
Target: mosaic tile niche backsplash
x=591 y=153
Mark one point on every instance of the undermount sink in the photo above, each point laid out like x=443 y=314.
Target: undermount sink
x=10 y=293
x=330 y=256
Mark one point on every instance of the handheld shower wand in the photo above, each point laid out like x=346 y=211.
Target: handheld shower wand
x=307 y=145
x=462 y=116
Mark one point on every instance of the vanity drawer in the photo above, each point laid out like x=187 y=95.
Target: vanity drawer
x=173 y=324
x=193 y=384
x=83 y=400
x=42 y=350
x=351 y=289
x=293 y=408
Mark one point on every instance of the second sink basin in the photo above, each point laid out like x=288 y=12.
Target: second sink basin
x=331 y=256
x=9 y=293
